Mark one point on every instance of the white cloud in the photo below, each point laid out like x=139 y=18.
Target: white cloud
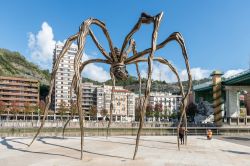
x=94 y=72
x=163 y=73
x=41 y=46
x=230 y=73
x=197 y=73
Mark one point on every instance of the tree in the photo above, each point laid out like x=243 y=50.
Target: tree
x=167 y=113
x=191 y=111
x=27 y=109
x=2 y=108
x=93 y=111
x=158 y=110
x=137 y=113
x=62 y=109
x=35 y=110
x=41 y=109
x=14 y=108
x=73 y=107
x=104 y=112
x=149 y=111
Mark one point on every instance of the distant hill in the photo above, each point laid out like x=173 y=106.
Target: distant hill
x=132 y=84
x=15 y=64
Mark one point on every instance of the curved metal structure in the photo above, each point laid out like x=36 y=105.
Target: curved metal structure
x=118 y=59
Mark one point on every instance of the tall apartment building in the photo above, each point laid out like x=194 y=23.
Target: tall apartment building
x=16 y=92
x=89 y=92
x=63 y=77
x=100 y=96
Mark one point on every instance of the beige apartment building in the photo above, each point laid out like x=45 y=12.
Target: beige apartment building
x=100 y=96
x=16 y=92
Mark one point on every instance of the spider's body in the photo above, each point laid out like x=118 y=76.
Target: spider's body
x=118 y=59
x=118 y=67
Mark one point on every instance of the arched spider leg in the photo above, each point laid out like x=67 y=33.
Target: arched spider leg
x=111 y=102
x=74 y=78
x=106 y=33
x=139 y=79
x=56 y=65
x=83 y=32
x=177 y=37
x=71 y=116
x=102 y=50
x=157 y=21
x=144 y=19
x=133 y=47
x=64 y=50
x=174 y=70
x=82 y=66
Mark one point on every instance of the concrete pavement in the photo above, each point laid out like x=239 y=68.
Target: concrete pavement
x=154 y=150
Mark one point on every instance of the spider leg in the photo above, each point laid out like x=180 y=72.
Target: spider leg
x=82 y=66
x=111 y=103
x=174 y=36
x=157 y=21
x=102 y=50
x=65 y=125
x=71 y=115
x=56 y=65
x=144 y=19
x=174 y=70
x=81 y=40
x=133 y=47
x=106 y=33
x=177 y=37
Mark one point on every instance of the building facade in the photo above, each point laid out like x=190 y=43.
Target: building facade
x=63 y=78
x=168 y=101
x=18 y=92
x=100 y=96
x=92 y=95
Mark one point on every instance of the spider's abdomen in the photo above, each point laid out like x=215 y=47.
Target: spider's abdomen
x=120 y=71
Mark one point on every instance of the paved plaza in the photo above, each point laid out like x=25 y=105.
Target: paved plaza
x=118 y=150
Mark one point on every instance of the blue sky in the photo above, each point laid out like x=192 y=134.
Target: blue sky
x=217 y=33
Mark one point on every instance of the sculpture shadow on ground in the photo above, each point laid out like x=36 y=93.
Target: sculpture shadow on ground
x=132 y=144
x=236 y=152
x=5 y=142
x=41 y=139
x=237 y=138
x=145 y=140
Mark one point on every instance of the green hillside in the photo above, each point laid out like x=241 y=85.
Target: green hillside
x=132 y=84
x=15 y=64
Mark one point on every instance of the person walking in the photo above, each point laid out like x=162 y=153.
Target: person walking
x=181 y=133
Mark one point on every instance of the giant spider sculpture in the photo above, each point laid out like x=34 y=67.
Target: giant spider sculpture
x=118 y=59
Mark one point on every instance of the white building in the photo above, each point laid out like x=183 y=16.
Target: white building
x=169 y=101
x=100 y=96
x=63 y=77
